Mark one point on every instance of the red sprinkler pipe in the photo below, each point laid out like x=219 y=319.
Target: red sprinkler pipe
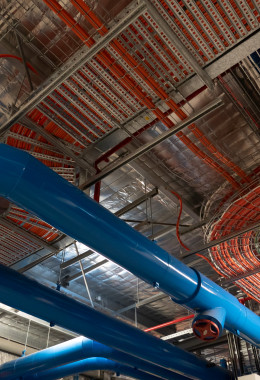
x=175 y=321
x=19 y=59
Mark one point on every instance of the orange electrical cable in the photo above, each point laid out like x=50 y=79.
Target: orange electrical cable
x=120 y=74
x=207 y=159
x=141 y=71
x=239 y=259
x=179 y=238
x=178 y=221
x=19 y=59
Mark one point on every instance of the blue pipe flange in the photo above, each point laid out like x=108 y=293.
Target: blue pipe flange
x=195 y=293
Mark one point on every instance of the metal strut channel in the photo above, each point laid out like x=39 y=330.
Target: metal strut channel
x=176 y=42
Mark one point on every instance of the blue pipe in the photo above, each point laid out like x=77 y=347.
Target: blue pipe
x=90 y=365
x=75 y=350
x=27 y=182
x=22 y=293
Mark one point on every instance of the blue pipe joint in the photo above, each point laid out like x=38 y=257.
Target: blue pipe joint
x=209 y=324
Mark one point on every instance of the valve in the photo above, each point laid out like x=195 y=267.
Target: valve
x=205 y=329
x=209 y=324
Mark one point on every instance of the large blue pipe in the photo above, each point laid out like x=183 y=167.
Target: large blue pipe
x=27 y=182
x=90 y=365
x=22 y=293
x=75 y=350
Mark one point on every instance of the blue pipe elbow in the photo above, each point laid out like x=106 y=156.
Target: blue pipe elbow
x=75 y=350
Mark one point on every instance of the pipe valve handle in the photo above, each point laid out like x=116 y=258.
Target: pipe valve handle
x=206 y=329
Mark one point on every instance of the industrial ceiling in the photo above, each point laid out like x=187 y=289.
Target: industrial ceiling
x=152 y=109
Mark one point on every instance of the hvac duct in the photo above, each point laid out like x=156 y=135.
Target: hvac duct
x=27 y=295
x=30 y=184
x=75 y=350
x=33 y=186
x=90 y=365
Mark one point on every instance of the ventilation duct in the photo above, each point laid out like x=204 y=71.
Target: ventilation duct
x=24 y=294
x=33 y=186
x=74 y=350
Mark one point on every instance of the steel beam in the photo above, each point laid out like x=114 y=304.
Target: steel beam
x=24 y=60
x=147 y=147
x=57 y=143
x=222 y=63
x=241 y=276
x=183 y=231
x=146 y=301
x=85 y=271
x=74 y=260
x=213 y=243
x=155 y=179
x=33 y=142
x=137 y=202
x=123 y=211
x=177 y=334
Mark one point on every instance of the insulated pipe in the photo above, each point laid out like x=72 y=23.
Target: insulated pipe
x=75 y=350
x=33 y=186
x=90 y=365
x=24 y=294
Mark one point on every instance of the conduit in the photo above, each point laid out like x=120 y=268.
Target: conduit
x=75 y=350
x=33 y=186
x=109 y=63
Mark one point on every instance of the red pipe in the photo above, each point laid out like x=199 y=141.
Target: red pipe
x=187 y=317
x=19 y=59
